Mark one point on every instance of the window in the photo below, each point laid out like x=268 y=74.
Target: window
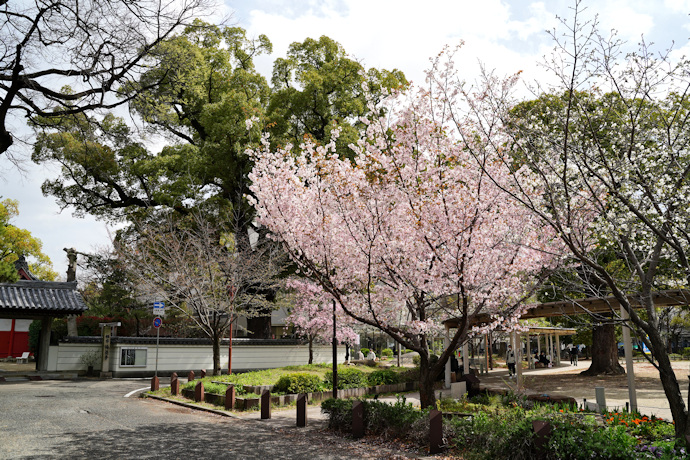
x=133 y=357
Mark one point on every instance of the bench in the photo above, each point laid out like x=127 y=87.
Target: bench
x=23 y=358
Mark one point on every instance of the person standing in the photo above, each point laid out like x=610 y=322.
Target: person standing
x=510 y=361
x=573 y=355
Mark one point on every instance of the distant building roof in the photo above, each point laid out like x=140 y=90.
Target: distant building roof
x=25 y=299
x=22 y=267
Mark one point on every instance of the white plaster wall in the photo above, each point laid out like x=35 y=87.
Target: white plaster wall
x=65 y=357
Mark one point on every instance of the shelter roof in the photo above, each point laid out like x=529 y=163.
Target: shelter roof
x=26 y=299
x=668 y=298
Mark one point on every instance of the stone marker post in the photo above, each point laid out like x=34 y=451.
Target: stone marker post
x=601 y=398
x=265 y=405
x=302 y=410
x=357 y=419
x=190 y=376
x=199 y=392
x=202 y=374
x=175 y=386
x=155 y=383
x=542 y=433
x=230 y=398
x=435 y=431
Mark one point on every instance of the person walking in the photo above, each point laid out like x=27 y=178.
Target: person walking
x=573 y=355
x=510 y=361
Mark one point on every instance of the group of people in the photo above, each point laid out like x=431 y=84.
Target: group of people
x=542 y=358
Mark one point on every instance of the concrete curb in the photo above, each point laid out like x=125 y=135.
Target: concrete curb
x=193 y=406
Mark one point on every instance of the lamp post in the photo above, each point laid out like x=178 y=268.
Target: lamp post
x=335 y=358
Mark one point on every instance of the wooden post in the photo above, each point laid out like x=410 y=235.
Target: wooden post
x=155 y=383
x=435 y=431
x=202 y=374
x=199 y=392
x=302 y=410
x=175 y=386
x=265 y=405
x=190 y=376
x=357 y=419
x=230 y=397
x=542 y=431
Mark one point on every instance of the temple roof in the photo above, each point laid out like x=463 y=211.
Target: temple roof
x=26 y=299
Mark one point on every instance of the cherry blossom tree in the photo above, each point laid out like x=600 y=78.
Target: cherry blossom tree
x=607 y=142
x=409 y=226
x=207 y=273
x=312 y=316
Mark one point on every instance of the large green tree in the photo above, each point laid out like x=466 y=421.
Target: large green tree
x=318 y=87
x=206 y=96
x=16 y=242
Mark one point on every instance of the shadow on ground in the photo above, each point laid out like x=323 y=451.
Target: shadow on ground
x=222 y=439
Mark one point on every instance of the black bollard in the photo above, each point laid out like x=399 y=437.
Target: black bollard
x=265 y=405
x=302 y=410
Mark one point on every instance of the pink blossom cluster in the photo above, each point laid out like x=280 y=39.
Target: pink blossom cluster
x=409 y=232
x=312 y=314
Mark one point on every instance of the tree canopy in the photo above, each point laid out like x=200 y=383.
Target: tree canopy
x=16 y=242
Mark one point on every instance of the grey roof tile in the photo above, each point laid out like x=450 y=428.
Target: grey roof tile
x=41 y=297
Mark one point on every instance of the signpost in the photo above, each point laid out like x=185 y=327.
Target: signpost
x=158 y=311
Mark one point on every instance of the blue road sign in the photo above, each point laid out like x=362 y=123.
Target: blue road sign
x=157 y=321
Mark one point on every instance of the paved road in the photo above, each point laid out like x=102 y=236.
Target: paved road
x=92 y=419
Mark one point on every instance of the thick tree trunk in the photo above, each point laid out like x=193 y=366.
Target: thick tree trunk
x=604 y=352
x=427 y=398
x=681 y=416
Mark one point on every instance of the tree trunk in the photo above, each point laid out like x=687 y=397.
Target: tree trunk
x=311 y=349
x=427 y=398
x=216 y=354
x=604 y=352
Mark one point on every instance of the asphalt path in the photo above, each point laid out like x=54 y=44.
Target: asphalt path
x=93 y=419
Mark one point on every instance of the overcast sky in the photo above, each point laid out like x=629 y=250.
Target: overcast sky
x=508 y=36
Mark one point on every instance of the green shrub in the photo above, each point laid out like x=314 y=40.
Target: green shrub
x=296 y=383
x=387 y=352
x=348 y=377
x=579 y=441
x=215 y=388
x=387 y=420
x=365 y=351
x=383 y=377
x=416 y=360
x=390 y=420
x=339 y=413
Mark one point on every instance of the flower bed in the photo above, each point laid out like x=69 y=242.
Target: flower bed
x=499 y=427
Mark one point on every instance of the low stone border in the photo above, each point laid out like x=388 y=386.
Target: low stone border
x=250 y=403
x=192 y=406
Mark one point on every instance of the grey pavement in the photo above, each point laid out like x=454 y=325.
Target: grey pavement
x=651 y=399
x=93 y=419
